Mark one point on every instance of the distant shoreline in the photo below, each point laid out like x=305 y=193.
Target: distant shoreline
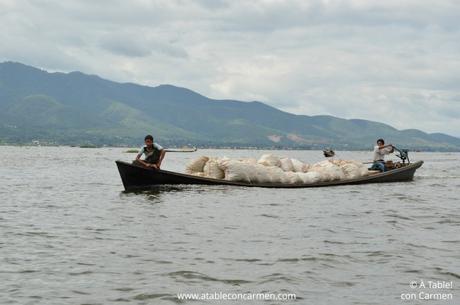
x=131 y=148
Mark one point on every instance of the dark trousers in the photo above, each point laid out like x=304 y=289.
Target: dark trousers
x=378 y=165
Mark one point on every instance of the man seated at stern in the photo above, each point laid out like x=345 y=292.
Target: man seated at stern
x=380 y=150
x=153 y=152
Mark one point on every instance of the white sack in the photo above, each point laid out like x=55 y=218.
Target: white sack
x=286 y=165
x=352 y=169
x=291 y=178
x=222 y=162
x=237 y=171
x=252 y=161
x=274 y=174
x=197 y=165
x=212 y=169
x=306 y=167
x=310 y=177
x=287 y=171
x=251 y=173
x=261 y=174
x=328 y=171
x=339 y=162
x=269 y=160
x=297 y=165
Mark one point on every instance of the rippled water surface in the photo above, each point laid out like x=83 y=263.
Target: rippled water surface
x=69 y=235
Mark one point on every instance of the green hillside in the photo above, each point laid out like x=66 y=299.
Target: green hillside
x=74 y=108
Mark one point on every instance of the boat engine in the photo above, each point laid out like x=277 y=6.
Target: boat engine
x=403 y=155
x=328 y=153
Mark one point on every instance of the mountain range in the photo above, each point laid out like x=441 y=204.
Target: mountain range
x=76 y=108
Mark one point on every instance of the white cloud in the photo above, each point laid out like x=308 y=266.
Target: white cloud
x=390 y=61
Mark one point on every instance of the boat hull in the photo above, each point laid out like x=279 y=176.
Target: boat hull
x=136 y=177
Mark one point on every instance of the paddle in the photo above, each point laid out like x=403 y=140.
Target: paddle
x=187 y=149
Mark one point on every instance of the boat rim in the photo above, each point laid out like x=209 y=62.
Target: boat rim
x=412 y=165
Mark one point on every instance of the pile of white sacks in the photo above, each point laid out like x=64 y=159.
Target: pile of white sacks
x=272 y=169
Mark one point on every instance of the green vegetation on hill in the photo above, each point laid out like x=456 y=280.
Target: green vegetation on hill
x=74 y=108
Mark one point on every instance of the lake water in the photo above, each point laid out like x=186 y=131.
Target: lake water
x=69 y=235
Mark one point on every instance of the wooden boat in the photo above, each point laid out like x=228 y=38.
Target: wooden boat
x=136 y=177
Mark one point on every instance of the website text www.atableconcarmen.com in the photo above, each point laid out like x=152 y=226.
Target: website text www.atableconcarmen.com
x=223 y=296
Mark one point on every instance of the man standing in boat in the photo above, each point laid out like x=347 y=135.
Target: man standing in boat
x=153 y=152
x=380 y=150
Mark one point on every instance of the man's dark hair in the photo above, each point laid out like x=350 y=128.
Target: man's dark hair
x=381 y=140
x=148 y=137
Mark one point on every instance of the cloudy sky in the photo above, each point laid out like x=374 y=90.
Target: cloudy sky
x=377 y=60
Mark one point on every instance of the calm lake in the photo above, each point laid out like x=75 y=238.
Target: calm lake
x=70 y=235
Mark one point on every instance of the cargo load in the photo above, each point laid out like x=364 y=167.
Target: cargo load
x=271 y=169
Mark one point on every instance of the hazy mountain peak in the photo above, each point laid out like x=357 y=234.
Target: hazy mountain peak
x=77 y=108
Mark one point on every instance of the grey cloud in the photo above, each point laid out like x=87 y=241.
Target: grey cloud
x=389 y=61
x=134 y=45
x=214 y=4
x=126 y=47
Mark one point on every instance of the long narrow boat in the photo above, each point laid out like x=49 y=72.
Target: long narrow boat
x=136 y=177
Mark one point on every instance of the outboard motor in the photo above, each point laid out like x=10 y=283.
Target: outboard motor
x=403 y=154
x=328 y=153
